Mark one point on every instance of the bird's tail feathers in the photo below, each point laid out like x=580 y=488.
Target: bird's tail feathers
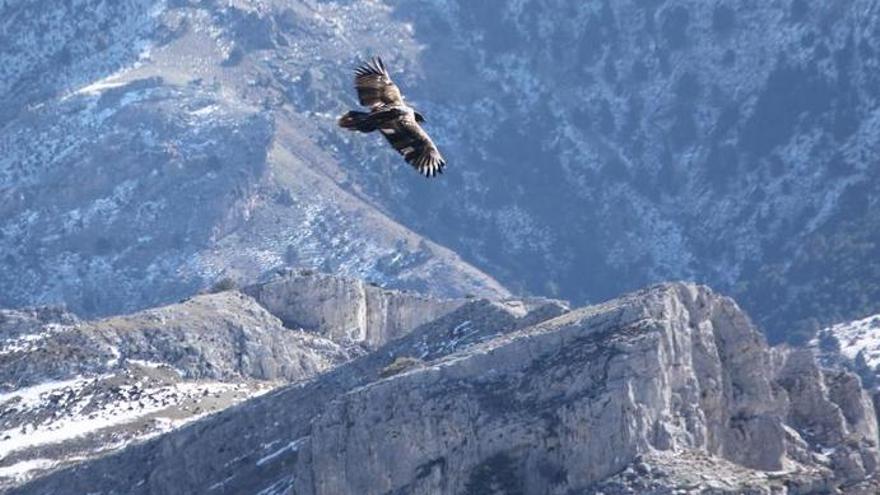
x=357 y=121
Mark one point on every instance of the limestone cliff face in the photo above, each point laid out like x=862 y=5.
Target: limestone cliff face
x=345 y=309
x=572 y=401
x=833 y=412
x=667 y=388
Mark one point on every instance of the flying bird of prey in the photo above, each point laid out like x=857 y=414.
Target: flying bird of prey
x=390 y=115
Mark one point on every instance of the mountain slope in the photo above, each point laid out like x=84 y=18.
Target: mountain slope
x=594 y=147
x=78 y=390
x=72 y=390
x=163 y=153
x=727 y=142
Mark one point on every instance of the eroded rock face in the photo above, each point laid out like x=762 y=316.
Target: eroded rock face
x=71 y=390
x=570 y=401
x=834 y=414
x=347 y=310
x=622 y=395
x=216 y=336
x=264 y=432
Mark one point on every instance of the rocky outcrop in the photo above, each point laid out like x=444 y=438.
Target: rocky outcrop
x=259 y=426
x=74 y=389
x=568 y=402
x=833 y=413
x=621 y=395
x=344 y=309
x=848 y=350
x=71 y=390
x=216 y=336
x=353 y=311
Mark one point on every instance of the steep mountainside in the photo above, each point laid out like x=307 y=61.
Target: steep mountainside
x=666 y=389
x=151 y=147
x=594 y=147
x=607 y=144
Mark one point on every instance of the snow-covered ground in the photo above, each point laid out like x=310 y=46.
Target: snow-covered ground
x=19 y=471
x=74 y=410
x=854 y=337
x=56 y=422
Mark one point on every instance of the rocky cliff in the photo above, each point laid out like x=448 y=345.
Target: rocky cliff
x=73 y=389
x=344 y=309
x=669 y=388
x=76 y=389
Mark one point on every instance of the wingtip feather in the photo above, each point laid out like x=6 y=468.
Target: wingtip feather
x=371 y=66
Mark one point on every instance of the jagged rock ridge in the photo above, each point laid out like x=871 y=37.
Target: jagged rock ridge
x=71 y=390
x=668 y=388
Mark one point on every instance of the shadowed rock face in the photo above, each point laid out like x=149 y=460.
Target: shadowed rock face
x=672 y=385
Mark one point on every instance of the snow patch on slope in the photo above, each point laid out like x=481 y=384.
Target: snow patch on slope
x=860 y=336
x=133 y=403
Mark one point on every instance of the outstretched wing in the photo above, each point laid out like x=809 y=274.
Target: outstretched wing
x=411 y=141
x=374 y=86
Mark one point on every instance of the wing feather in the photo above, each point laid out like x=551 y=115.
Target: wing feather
x=374 y=85
x=417 y=148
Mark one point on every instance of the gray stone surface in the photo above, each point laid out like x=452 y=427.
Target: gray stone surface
x=346 y=310
x=218 y=336
x=672 y=382
x=71 y=390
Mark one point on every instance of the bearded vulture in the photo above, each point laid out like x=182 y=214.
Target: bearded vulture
x=390 y=115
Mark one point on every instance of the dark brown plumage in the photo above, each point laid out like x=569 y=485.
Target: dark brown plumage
x=390 y=115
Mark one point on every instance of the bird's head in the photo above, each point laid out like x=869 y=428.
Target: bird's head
x=419 y=117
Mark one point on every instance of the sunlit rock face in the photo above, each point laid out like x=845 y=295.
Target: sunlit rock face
x=347 y=310
x=73 y=389
x=667 y=388
x=593 y=146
